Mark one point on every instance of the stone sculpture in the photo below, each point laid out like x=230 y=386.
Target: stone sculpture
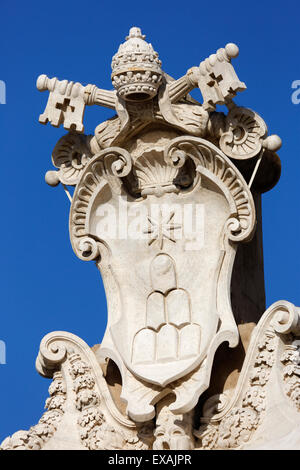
x=167 y=195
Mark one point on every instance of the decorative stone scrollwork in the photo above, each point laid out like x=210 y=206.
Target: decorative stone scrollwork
x=286 y=317
x=237 y=427
x=51 y=354
x=88 y=248
x=118 y=159
x=245 y=134
x=79 y=396
x=70 y=155
x=105 y=168
x=213 y=164
x=232 y=423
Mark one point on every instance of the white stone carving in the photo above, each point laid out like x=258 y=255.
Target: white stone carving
x=65 y=104
x=218 y=81
x=136 y=68
x=245 y=134
x=242 y=420
x=70 y=155
x=145 y=94
x=172 y=431
x=79 y=401
x=155 y=329
x=245 y=418
x=162 y=201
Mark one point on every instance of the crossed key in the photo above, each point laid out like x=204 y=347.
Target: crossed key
x=217 y=79
x=65 y=104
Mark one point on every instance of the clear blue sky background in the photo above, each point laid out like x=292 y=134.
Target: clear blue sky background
x=44 y=287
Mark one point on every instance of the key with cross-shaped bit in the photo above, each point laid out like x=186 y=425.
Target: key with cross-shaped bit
x=65 y=104
x=218 y=81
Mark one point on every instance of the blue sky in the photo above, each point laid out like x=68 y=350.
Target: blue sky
x=44 y=287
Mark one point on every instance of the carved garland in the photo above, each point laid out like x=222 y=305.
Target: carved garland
x=87 y=403
x=233 y=425
x=237 y=427
x=291 y=371
x=38 y=435
x=213 y=164
x=96 y=433
x=101 y=425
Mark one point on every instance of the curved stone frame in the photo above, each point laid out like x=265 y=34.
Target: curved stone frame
x=57 y=347
x=108 y=167
x=269 y=379
x=81 y=400
x=113 y=163
x=213 y=163
x=105 y=167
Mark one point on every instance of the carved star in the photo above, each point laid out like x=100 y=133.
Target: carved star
x=161 y=229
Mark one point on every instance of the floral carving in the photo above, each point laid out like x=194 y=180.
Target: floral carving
x=105 y=437
x=90 y=418
x=85 y=381
x=96 y=433
x=86 y=398
x=57 y=386
x=237 y=427
x=260 y=375
x=55 y=403
x=78 y=367
x=291 y=372
x=255 y=397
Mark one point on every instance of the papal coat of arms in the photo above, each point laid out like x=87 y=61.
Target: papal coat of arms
x=164 y=194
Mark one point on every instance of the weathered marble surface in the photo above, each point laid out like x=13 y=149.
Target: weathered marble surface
x=167 y=202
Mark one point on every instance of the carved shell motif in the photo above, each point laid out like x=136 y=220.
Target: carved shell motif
x=244 y=134
x=154 y=176
x=152 y=173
